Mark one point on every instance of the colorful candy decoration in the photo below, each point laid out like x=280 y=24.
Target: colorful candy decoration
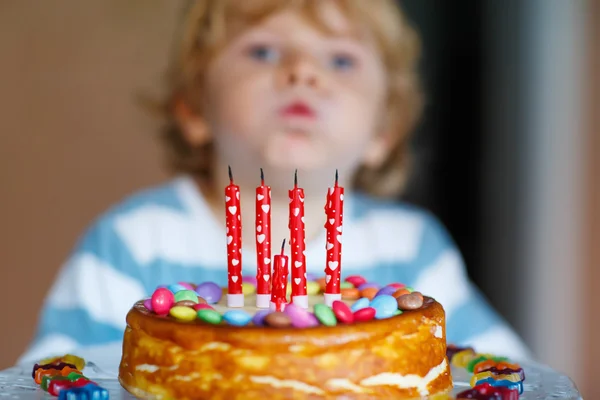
x=509 y=380
x=62 y=377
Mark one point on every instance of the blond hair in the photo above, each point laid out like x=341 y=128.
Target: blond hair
x=208 y=26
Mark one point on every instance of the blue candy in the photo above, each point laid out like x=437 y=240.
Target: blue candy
x=237 y=317
x=90 y=391
x=176 y=287
x=385 y=306
x=359 y=304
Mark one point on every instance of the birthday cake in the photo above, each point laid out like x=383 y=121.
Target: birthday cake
x=383 y=347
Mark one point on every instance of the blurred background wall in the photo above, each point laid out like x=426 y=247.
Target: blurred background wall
x=505 y=154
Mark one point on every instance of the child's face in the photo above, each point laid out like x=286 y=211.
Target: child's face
x=285 y=95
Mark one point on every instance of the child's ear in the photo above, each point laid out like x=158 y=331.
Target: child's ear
x=377 y=150
x=194 y=128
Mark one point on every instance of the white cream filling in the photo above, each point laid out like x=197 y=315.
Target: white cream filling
x=438 y=332
x=147 y=368
x=286 y=384
x=407 y=381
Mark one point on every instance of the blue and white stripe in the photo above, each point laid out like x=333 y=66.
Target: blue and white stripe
x=168 y=234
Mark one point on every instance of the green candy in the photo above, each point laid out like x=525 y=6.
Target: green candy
x=346 y=285
x=397 y=312
x=410 y=289
x=325 y=315
x=186 y=295
x=471 y=365
x=73 y=376
x=210 y=316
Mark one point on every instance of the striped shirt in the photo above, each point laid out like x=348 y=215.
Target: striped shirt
x=169 y=234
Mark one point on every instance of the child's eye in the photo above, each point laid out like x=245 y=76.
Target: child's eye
x=342 y=62
x=264 y=53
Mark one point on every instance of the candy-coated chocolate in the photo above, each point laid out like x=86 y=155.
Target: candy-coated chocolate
x=385 y=306
x=397 y=285
x=463 y=358
x=409 y=288
x=251 y=279
x=185 y=303
x=288 y=291
x=248 y=288
x=162 y=301
x=350 y=293
x=186 y=295
x=360 y=303
x=278 y=319
x=484 y=365
x=209 y=291
x=411 y=301
x=202 y=306
x=237 y=317
x=90 y=391
x=486 y=391
x=176 y=287
x=312 y=288
x=188 y=285
x=389 y=290
x=369 y=292
x=210 y=316
x=58 y=365
x=356 y=280
x=56 y=386
x=397 y=312
x=259 y=318
x=369 y=285
x=325 y=315
x=300 y=317
x=400 y=292
x=322 y=283
x=364 y=314
x=346 y=285
x=78 y=362
x=148 y=304
x=311 y=277
x=181 y=313
x=342 y=312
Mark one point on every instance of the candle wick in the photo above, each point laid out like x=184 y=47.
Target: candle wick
x=282 y=247
x=295 y=179
x=262 y=177
x=230 y=175
x=336 y=178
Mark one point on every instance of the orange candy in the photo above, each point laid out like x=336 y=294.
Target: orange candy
x=350 y=293
x=322 y=283
x=369 y=293
x=482 y=366
x=40 y=373
x=505 y=365
x=400 y=292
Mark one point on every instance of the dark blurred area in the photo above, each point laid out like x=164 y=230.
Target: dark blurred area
x=505 y=156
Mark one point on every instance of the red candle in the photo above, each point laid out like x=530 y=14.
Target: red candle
x=297 y=241
x=333 y=225
x=279 y=279
x=263 y=243
x=235 y=297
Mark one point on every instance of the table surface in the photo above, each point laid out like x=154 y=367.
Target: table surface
x=103 y=361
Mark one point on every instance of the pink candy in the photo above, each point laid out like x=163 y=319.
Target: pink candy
x=300 y=317
x=342 y=312
x=356 y=280
x=162 y=301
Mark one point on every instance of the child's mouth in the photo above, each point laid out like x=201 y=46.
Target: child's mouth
x=298 y=109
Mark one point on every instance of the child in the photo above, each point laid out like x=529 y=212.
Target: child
x=283 y=85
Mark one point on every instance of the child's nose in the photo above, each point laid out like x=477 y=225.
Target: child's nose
x=301 y=71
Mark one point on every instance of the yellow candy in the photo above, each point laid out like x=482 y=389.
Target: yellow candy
x=312 y=288
x=248 y=288
x=462 y=358
x=183 y=313
x=78 y=362
x=288 y=290
x=514 y=377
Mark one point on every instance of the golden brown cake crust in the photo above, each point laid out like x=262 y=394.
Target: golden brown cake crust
x=400 y=357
